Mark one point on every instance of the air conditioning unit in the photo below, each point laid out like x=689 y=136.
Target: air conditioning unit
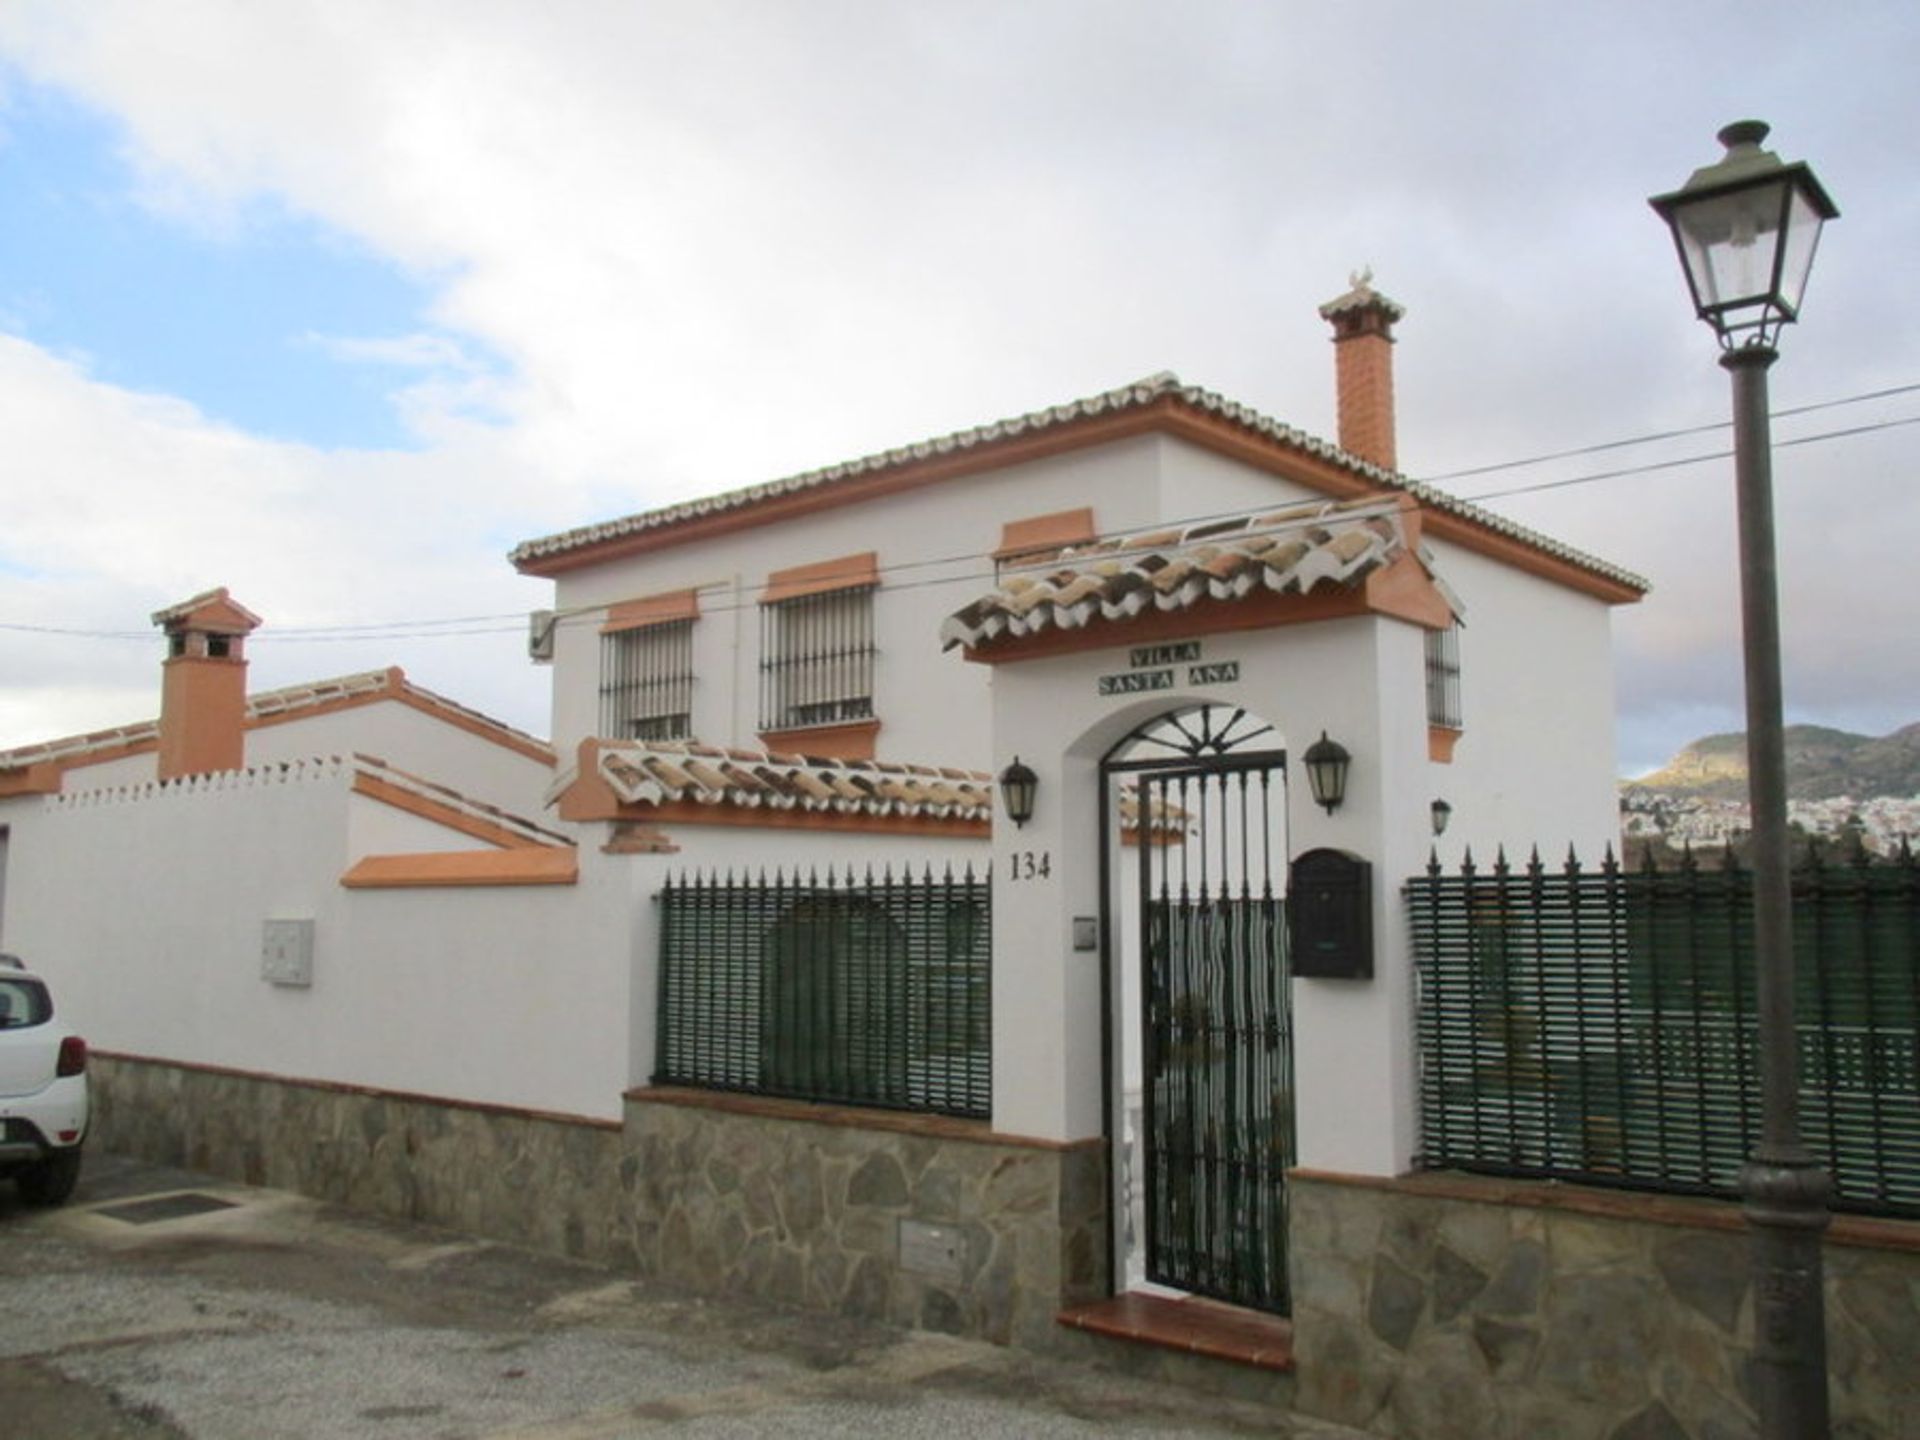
x=540 y=628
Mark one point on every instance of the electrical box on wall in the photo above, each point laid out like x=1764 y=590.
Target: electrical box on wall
x=286 y=952
x=1330 y=913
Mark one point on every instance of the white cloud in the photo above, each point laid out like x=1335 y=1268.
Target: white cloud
x=715 y=242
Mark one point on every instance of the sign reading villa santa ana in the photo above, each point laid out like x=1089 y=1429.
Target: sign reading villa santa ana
x=1152 y=667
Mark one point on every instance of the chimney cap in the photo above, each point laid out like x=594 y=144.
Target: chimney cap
x=1361 y=296
x=214 y=611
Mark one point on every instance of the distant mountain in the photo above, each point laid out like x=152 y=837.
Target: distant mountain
x=1821 y=764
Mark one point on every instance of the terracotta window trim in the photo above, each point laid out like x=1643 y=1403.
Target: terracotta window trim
x=1036 y=536
x=662 y=609
x=853 y=740
x=848 y=572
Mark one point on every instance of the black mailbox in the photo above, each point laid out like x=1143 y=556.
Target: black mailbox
x=1330 y=916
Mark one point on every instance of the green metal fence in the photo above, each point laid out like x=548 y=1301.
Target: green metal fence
x=862 y=991
x=1598 y=1024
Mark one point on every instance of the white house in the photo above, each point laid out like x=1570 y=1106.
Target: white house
x=1156 y=599
x=1059 y=588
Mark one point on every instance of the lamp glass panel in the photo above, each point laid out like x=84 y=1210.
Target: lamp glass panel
x=1796 y=263
x=1729 y=241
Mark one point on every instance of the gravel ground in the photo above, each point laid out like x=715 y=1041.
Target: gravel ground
x=276 y=1316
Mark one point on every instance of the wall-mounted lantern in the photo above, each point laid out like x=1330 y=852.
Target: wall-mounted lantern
x=1327 y=761
x=1442 y=813
x=1018 y=785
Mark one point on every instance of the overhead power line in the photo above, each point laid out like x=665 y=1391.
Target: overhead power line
x=510 y=622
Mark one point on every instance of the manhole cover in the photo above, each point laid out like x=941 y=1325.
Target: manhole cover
x=165 y=1207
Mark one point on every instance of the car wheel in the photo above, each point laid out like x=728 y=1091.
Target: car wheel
x=52 y=1180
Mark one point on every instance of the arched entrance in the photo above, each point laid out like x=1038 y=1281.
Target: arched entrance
x=1202 y=1042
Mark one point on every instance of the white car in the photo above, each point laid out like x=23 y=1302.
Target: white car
x=43 y=1089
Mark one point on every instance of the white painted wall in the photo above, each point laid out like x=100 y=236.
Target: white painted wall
x=934 y=546
x=411 y=740
x=1535 y=763
x=377 y=828
x=146 y=912
x=404 y=737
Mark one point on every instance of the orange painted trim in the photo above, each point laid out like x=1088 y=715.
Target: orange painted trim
x=589 y=797
x=1062 y=528
x=544 y=865
x=38 y=779
x=1401 y=591
x=652 y=610
x=341 y=1087
x=1440 y=742
x=852 y=741
x=822 y=577
x=441 y=813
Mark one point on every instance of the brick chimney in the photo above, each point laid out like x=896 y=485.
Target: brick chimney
x=1363 y=321
x=203 y=685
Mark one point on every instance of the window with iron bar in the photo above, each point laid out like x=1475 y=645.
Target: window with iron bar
x=1443 y=677
x=816 y=659
x=646 y=682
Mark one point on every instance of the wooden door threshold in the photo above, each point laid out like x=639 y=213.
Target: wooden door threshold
x=1192 y=1325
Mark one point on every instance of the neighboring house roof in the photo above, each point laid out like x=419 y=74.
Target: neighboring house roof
x=1286 y=552
x=664 y=773
x=1158 y=400
x=272 y=707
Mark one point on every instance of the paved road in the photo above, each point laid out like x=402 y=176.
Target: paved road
x=165 y=1304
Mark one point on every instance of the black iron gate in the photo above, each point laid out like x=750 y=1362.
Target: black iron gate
x=1216 y=1033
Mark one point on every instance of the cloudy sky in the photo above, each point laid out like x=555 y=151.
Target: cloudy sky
x=333 y=301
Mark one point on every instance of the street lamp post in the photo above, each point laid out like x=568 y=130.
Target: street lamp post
x=1746 y=229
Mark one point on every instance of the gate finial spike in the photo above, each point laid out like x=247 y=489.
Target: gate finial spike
x=1433 y=862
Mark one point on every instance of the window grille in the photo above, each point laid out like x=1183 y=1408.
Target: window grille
x=816 y=659
x=1443 y=677
x=646 y=682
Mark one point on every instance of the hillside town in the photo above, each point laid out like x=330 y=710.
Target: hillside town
x=1882 y=823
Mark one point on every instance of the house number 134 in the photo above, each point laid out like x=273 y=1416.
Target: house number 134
x=1030 y=865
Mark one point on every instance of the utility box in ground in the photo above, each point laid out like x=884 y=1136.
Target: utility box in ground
x=286 y=953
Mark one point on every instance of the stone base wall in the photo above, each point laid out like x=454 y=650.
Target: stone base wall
x=798 y=1204
x=1440 y=1307
x=922 y=1222
x=550 y=1183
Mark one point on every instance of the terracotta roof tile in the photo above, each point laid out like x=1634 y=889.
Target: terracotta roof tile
x=1288 y=551
x=663 y=772
x=1139 y=395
